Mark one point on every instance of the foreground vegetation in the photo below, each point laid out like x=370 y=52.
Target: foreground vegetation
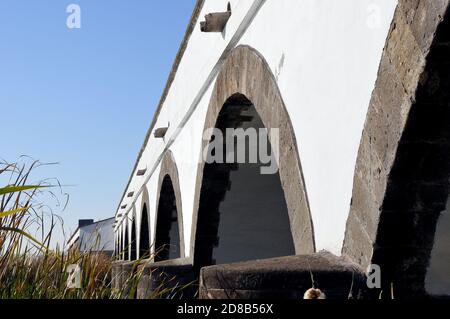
x=29 y=267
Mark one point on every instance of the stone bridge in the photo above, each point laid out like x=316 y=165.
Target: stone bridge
x=358 y=92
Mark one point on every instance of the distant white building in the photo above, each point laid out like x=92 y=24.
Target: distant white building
x=93 y=236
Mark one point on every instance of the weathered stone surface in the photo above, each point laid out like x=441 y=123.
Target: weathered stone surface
x=144 y=289
x=423 y=24
x=285 y=277
x=402 y=174
x=127 y=269
x=405 y=53
x=173 y=279
x=358 y=240
x=116 y=275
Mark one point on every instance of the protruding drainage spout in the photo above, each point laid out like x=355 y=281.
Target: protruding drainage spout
x=161 y=132
x=141 y=172
x=216 y=22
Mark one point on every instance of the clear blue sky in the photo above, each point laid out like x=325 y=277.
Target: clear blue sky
x=85 y=97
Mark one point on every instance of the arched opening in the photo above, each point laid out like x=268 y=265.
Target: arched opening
x=126 y=245
x=117 y=246
x=167 y=237
x=412 y=244
x=242 y=213
x=144 y=241
x=133 y=248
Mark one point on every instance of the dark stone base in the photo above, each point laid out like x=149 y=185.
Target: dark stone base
x=173 y=279
x=116 y=280
x=127 y=284
x=283 y=278
x=168 y=281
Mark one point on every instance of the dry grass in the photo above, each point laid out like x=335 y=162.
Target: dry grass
x=29 y=267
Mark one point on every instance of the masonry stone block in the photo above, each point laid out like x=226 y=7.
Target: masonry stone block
x=285 y=277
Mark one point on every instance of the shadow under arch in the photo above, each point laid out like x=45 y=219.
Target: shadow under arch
x=126 y=245
x=401 y=184
x=169 y=240
x=144 y=240
x=133 y=244
x=117 y=246
x=244 y=81
x=144 y=232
